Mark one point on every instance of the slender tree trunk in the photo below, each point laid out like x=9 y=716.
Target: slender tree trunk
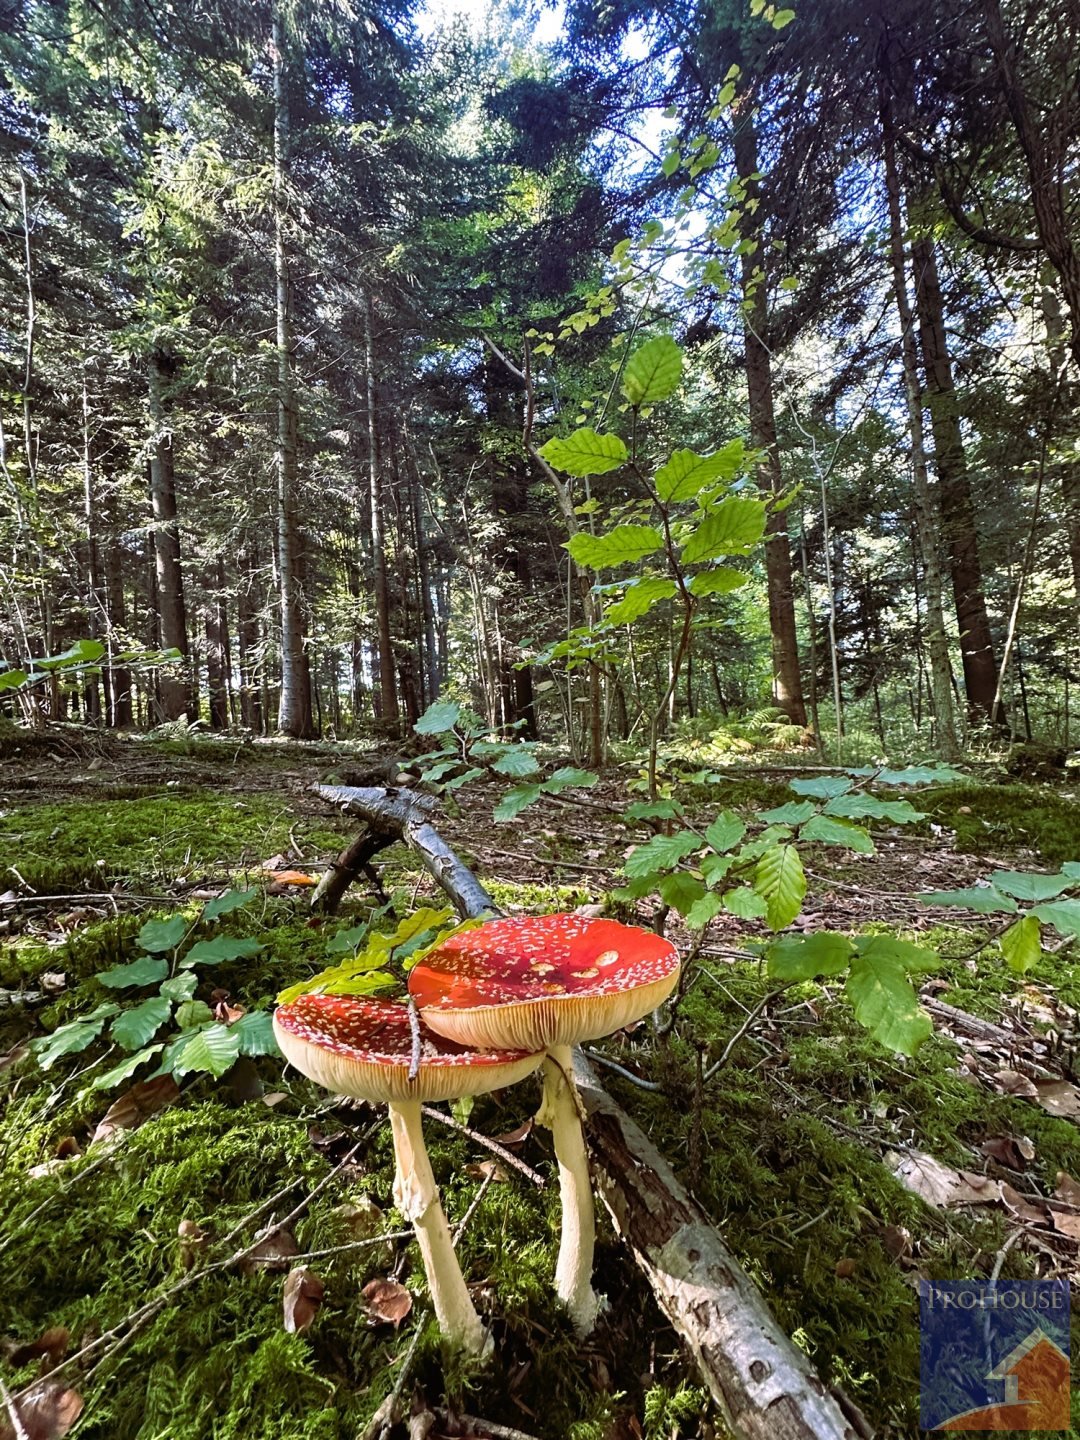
x=217 y=695
x=787 y=681
x=294 y=711
x=1070 y=400
x=1050 y=182
x=95 y=598
x=954 y=484
x=117 y=677
x=925 y=516
x=388 y=711
x=174 y=690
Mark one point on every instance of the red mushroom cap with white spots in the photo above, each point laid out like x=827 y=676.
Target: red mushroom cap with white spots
x=363 y=1047
x=528 y=981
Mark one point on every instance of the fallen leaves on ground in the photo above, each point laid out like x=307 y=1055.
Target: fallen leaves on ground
x=275 y=1249
x=193 y=1241
x=136 y=1105
x=387 y=1302
x=487 y=1170
x=518 y=1136
x=1012 y=1151
x=51 y=1347
x=302 y=1298
x=938 y=1184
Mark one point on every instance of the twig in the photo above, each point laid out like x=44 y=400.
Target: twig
x=19 y=1429
x=459 y=1228
x=488 y=1144
x=753 y=1015
x=483 y=1429
x=352 y=1245
x=385 y=1418
x=63 y=1190
x=621 y=1070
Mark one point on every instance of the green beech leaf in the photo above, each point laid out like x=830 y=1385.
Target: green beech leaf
x=682 y=892
x=886 y=1004
x=782 y=18
x=585 y=453
x=1071 y=868
x=624 y=545
x=914 y=775
x=716 y=867
x=464 y=778
x=255 y=1031
x=192 y=1014
x=133 y=1028
x=733 y=527
x=640 y=597
x=979 y=898
x=822 y=787
x=804 y=957
x=781 y=883
x=653 y=372
x=868 y=807
x=157 y=936
x=653 y=810
x=725 y=832
x=74 y=1037
x=747 y=904
x=662 y=852
x=1021 y=944
x=12 y=679
x=212 y=1051
x=686 y=474
x=440 y=716
x=180 y=987
x=827 y=831
x=219 y=949
x=83 y=652
x=720 y=580
x=517 y=761
x=227 y=903
x=126 y=1068
x=703 y=910
x=514 y=801
x=1064 y=915
x=904 y=953
x=144 y=971
x=566 y=778
x=1027 y=885
x=795 y=812
x=346 y=940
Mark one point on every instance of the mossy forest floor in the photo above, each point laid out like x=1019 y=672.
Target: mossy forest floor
x=788 y=1147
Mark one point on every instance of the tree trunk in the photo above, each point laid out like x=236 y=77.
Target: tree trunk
x=174 y=691
x=954 y=485
x=294 y=711
x=787 y=681
x=117 y=677
x=217 y=696
x=388 y=710
x=925 y=516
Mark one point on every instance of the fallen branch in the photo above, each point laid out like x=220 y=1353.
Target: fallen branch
x=763 y=1384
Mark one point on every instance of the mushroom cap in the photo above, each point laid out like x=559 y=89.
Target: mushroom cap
x=529 y=981
x=363 y=1047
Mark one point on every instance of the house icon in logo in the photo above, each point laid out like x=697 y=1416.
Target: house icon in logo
x=1036 y=1376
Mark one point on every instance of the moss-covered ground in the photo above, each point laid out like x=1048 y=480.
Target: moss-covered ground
x=784 y=1147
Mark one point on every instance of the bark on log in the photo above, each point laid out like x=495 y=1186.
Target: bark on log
x=764 y=1386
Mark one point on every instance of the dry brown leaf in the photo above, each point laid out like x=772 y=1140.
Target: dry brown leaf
x=1013 y=1151
x=387 y=1302
x=1024 y=1209
x=1058 y=1097
x=1066 y=1223
x=518 y=1136
x=897 y=1241
x=293 y=877
x=14 y=1055
x=273 y=1252
x=487 y=1170
x=362 y=1218
x=1068 y=1189
x=1011 y=1082
x=46 y=1413
x=51 y=1346
x=303 y=1296
x=136 y=1105
x=274 y=1098
x=845 y=1268
x=939 y=1185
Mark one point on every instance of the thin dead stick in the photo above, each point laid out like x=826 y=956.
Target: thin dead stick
x=352 y=1245
x=75 y=1179
x=483 y=1429
x=385 y=1418
x=754 y=1014
x=459 y=1229
x=19 y=1429
x=488 y=1144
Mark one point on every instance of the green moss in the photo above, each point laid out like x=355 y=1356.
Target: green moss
x=85 y=844
x=990 y=819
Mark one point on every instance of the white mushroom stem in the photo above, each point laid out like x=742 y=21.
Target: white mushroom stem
x=560 y=1111
x=417 y=1197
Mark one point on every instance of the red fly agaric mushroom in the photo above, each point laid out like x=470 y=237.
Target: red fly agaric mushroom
x=551 y=981
x=364 y=1048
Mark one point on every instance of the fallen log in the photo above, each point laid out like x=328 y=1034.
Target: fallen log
x=763 y=1384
